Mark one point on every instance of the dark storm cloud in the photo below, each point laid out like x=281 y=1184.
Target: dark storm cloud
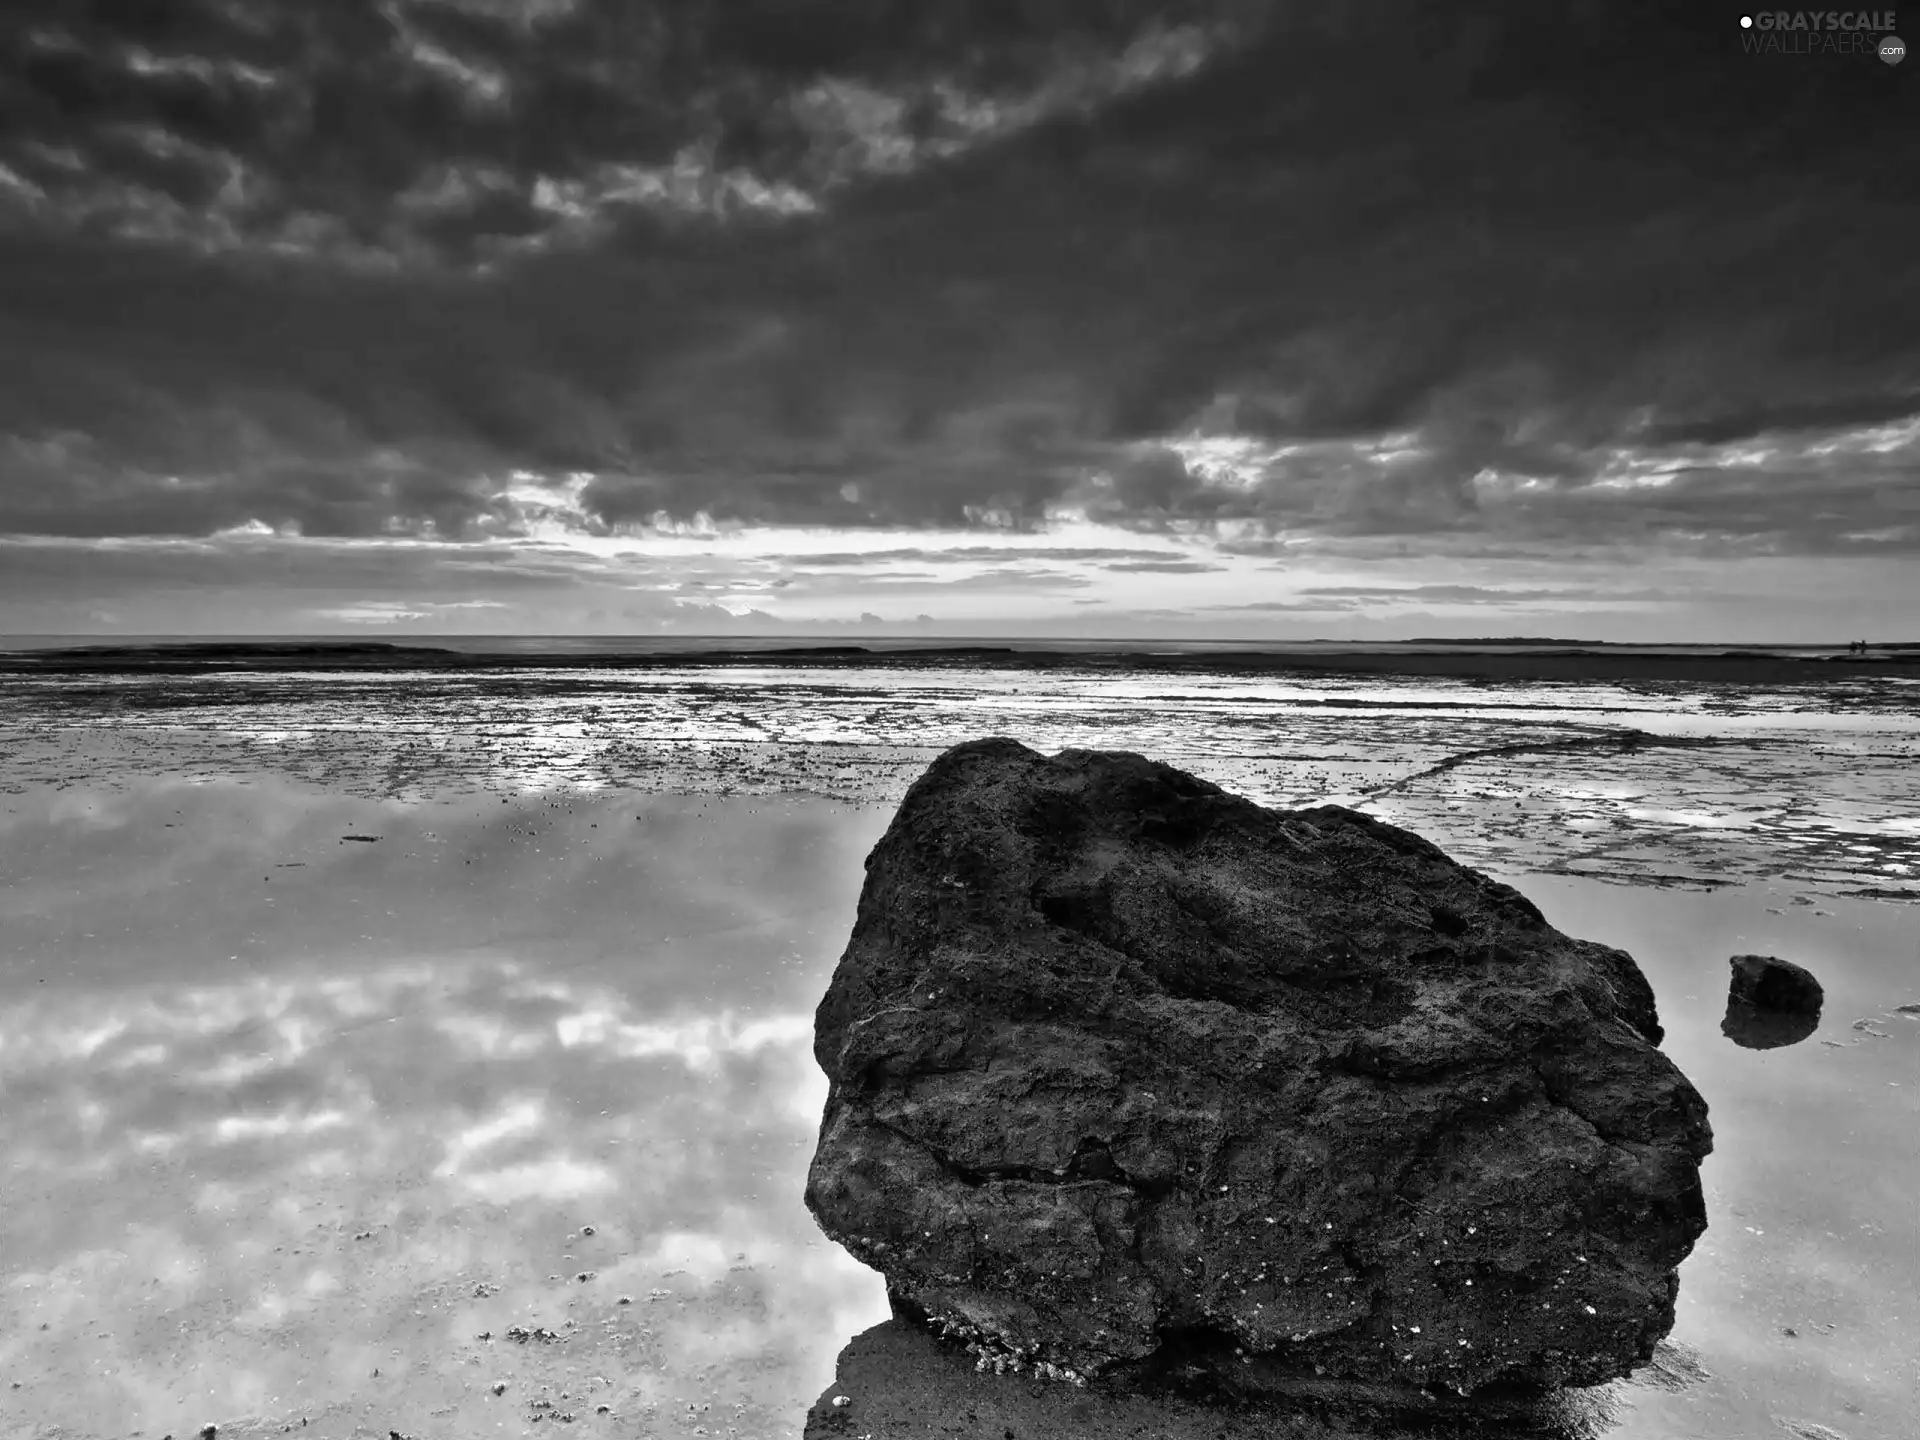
x=245 y=563
x=1847 y=500
x=908 y=265
x=1786 y=416
x=411 y=128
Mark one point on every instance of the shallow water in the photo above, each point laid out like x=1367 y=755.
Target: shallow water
x=290 y=1119
x=281 y=1109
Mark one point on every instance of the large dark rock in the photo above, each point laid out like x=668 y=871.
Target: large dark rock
x=1131 y=1077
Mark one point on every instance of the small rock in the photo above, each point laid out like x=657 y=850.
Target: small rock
x=586 y=1229
x=840 y=1402
x=499 y=1387
x=1768 y=983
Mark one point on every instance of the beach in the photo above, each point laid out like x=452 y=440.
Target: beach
x=425 y=1047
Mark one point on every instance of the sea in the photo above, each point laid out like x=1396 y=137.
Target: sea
x=417 y=1038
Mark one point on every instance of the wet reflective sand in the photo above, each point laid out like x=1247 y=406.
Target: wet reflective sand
x=288 y=1119
x=1670 y=783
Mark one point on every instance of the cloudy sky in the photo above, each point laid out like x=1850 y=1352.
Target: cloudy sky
x=1075 y=317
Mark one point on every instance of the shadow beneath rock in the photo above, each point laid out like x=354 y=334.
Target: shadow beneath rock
x=1759 y=1029
x=897 y=1379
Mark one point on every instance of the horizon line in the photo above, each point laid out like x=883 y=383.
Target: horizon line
x=841 y=639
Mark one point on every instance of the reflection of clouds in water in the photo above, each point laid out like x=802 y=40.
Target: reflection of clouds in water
x=287 y=1013
x=291 y=1080
x=698 y=1042
x=230 y=1128
x=253 y=1188
x=552 y=1178
x=1895 y=826
x=516 y=1117
x=269 y=1127
x=490 y=1037
x=546 y=1175
x=1698 y=818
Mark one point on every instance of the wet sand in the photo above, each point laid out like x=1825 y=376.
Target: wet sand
x=281 y=1108
x=1687 y=784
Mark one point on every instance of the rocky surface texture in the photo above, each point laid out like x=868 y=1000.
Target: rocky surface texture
x=1131 y=1078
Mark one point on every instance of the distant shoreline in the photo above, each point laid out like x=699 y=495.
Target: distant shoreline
x=1491 y=660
